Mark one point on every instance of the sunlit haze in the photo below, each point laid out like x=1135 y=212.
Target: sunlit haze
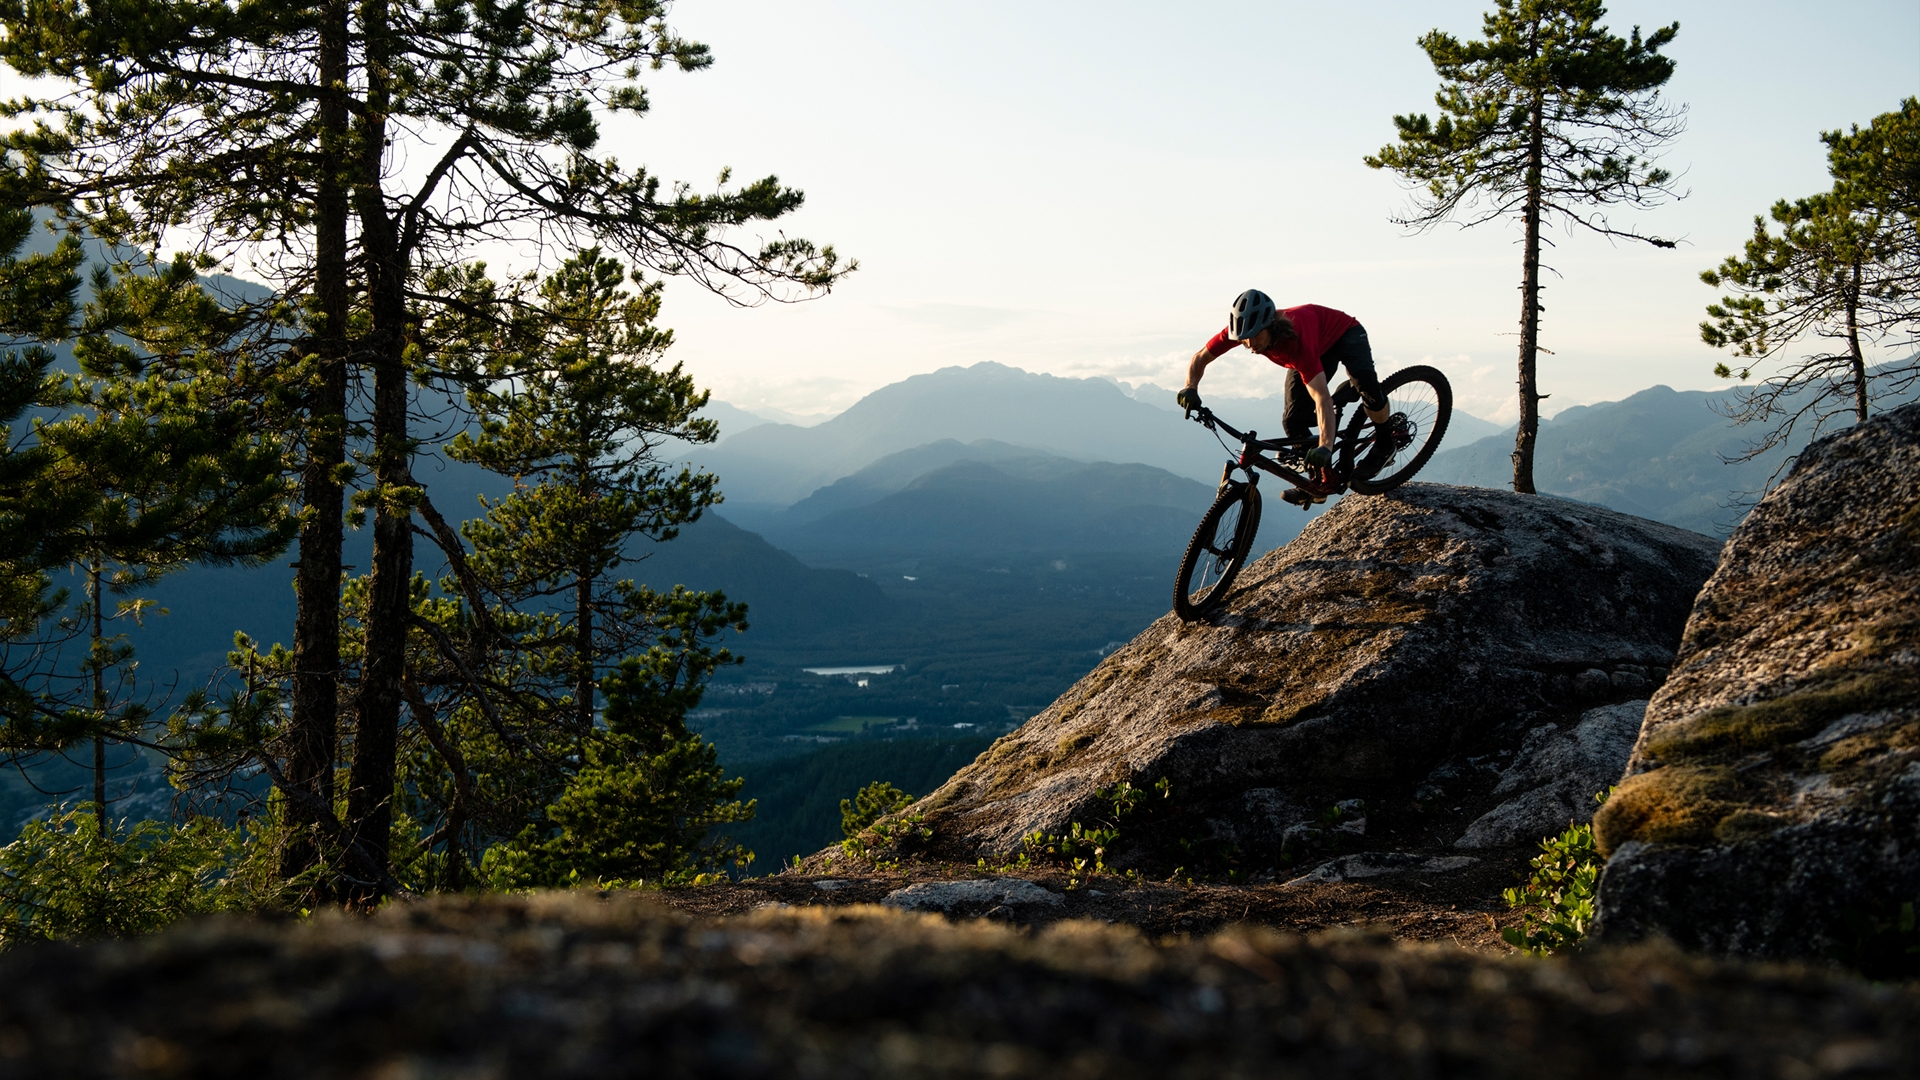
x=1081 y=189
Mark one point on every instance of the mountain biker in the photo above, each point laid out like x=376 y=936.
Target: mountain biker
x=1311 y=342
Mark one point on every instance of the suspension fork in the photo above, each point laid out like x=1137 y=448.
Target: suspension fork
x=1245 y=466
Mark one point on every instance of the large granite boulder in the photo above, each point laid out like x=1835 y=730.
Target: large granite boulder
x=1772 y=804
x=1393 y=657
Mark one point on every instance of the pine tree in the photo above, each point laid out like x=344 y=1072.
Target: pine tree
x=643 y=805
x=575 y=411
x=137 y=464
x=39 y=519
x=1877 y=168
x=1548 y=118
x=1844 y=267
x=576 y=416
x=161 y=437
x=279 y=125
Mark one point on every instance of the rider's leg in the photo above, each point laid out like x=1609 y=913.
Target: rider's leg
x=1299 y=420
x=1300 y=416
x=1354 y=353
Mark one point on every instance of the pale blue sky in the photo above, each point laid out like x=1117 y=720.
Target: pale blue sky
x=1081 y=188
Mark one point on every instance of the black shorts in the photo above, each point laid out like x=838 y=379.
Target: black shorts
x=1351 y=351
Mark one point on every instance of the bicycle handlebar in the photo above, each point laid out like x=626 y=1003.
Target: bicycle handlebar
x=1207 y=419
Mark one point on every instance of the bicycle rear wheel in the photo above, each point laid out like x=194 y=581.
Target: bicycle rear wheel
x=1218 y=550
x=1384 y=456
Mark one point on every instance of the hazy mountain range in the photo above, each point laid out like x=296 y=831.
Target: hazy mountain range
x=1002 y=467
x=777 y=465
x=1660 y=453
x=953 y=498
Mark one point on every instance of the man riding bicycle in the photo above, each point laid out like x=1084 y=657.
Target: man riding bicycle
x=1312 y=342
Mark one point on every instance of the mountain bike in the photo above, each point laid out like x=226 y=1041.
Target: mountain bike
x=1368 y=458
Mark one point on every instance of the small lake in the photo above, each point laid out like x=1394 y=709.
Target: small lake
x=869 y=669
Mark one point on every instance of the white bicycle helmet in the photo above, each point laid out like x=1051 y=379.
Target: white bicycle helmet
x=1252 y=312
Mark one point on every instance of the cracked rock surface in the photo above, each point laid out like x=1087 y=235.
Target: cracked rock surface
x=1772 y=804
x=1373 y=864
x=1395 y=639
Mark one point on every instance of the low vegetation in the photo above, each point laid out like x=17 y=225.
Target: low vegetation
x=1557 y=900
x=62 y=879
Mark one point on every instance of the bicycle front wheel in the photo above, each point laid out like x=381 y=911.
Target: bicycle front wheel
x=1384 y=456
x=1218 y=550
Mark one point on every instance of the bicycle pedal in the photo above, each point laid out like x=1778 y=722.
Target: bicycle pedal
x=1305 y=500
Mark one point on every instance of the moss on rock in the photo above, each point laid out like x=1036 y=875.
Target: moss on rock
x=1675 y=805
x=1736 y=730
x=574 y=985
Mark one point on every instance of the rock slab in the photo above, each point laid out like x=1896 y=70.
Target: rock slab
x=1373 y=864
x=1391 y=636
x=1772 y=804
x=971 y=897
x=1554 y=778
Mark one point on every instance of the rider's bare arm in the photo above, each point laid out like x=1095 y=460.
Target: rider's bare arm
x=1196 y=368
x=1322 y=404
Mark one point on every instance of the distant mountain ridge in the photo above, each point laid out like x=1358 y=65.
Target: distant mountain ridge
x=896 y=471
x=1660 y=454
x=1088 y=419
x=1031 y=504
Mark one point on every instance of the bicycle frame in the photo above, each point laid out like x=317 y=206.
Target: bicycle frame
x=1251 y=456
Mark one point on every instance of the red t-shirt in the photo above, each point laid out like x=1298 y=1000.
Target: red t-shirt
x=1318 y=327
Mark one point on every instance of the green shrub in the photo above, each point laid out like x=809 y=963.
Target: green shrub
x=61 y=879
x=1557 y=901
x=869 y=805
x=631 y=813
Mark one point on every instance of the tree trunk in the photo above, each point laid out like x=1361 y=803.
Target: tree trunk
x=376 y=735
x=99 y=703
x=583 y=657
x=1859 y=362
x=1523 y=441
x=314 y=723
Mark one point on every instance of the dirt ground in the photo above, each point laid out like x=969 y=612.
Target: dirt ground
x=1463 y=907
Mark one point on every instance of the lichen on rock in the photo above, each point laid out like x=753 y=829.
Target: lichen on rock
x=1772 y=804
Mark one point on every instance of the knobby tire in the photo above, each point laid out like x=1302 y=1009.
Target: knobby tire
x=1423 y=395
x=1216 y=558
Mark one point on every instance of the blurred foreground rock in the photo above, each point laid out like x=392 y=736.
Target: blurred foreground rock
x=1772 y=806
x=571 y=985
x=1389 y=662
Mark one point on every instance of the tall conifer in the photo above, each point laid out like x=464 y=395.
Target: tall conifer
x=1842 y=266
x=1549 y=117
x=249 y=129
